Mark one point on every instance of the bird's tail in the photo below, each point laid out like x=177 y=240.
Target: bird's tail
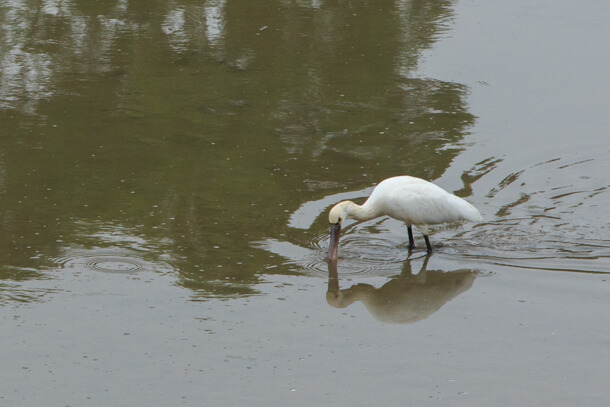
x=466 y=210
x=471 y=213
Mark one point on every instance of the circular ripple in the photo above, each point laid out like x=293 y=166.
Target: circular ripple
x=107 y=264
x=360 y=254
x=113 y=264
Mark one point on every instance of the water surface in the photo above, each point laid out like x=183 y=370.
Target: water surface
x=166 y=169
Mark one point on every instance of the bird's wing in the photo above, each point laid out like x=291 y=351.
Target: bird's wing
x=423 y=205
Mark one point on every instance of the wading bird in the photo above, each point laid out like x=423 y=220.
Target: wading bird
x=409 y=199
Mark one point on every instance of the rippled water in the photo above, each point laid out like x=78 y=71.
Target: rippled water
x=166 y=170
x=540 y=217
x=106 y=264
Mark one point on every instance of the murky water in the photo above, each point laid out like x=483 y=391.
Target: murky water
x=166 y=170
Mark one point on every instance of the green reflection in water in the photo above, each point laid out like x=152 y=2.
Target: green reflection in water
x=195 y=129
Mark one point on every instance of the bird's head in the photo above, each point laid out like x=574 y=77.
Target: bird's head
x=339 y=212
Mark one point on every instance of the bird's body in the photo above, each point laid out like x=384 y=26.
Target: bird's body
x=409 y=199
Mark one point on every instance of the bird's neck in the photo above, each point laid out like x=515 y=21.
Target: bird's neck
x=362 y=212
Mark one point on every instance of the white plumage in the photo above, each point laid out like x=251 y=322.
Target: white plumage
x=409 y=199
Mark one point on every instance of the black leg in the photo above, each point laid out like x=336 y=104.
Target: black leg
x=428 y=245
x=411 y=241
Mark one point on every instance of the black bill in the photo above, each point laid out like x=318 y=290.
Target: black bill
x=333 y=247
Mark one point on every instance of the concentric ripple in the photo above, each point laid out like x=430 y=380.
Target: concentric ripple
x=104 y=263
x=365 y=249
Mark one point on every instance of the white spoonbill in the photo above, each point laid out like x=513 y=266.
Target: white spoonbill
x=409 y=199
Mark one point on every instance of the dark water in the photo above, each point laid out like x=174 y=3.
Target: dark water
x=166 y=169
x=184 y=133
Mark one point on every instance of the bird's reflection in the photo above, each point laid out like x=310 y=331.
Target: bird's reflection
x=405 y=299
